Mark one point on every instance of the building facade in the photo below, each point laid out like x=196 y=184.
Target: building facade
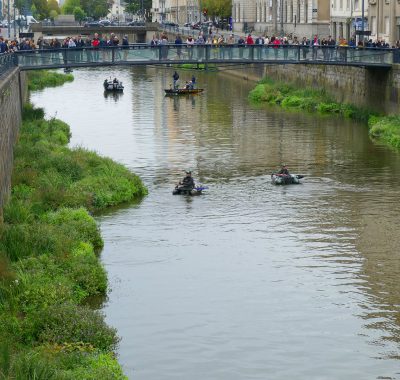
x=177 y=11
x=346 y=18
x=282 y=17
x=384 y=20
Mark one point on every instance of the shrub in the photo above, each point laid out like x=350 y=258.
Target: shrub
x=71 y=323
x=78 y=224
x=29 y=112
x=386 y=129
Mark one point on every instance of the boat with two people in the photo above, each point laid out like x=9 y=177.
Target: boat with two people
x=113 y=85
x=189 y=88
x=283 y=177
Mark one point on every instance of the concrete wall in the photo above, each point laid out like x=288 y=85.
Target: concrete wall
x=12 y=95
x=377 y=89
x=370 y=88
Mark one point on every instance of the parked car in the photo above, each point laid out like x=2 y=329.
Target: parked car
x=91 y=24
x=137 y=23
x=105 y=23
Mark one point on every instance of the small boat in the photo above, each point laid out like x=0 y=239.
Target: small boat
x=183 y=91
x=182 y=191
x=67 y=70
x=113 y=85
x=285 y=179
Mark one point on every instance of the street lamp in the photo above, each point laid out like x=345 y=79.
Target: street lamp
x=362 y=20
x=15 y=29
x=8 y=19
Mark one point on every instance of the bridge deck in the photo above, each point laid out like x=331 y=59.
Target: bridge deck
x=143 y=54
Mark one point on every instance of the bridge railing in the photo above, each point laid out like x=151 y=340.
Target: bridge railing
x=7 y=61
x=161 y=54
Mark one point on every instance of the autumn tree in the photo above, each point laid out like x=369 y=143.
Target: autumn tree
x=218 y=8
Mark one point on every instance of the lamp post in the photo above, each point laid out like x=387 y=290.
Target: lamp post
x=8 y=19
x=362 y=20
x=15 y=29
x=281 y=17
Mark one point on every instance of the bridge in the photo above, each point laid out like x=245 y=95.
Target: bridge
x=144 y=54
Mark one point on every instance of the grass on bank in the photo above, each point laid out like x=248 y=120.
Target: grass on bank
x=38 y=80
x=49 y=264
x=384 y=128
x=306 y=99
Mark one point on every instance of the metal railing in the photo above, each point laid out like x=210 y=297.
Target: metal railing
x=7 y=62
x=144 y=54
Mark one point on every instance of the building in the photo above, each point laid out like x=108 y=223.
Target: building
x=346 y=18
x=282 y=17
x=384 y=20
x=177 y=11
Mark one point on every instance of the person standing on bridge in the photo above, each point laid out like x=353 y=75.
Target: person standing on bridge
x=178 y=42
x=189 y=44
x=96 y=45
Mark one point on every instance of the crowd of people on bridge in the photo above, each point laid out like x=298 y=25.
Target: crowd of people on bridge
x=317 y=48
x=97 y=41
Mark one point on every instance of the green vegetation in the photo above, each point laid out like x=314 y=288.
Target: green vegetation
x=287 y=96
x=49 y=266
x=197 y=66
x=217 y=8
x=384 y=128
x=38 y=80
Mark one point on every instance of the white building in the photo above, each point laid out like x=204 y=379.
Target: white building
x=177 y=11
x=346 y=18
x=282 y=17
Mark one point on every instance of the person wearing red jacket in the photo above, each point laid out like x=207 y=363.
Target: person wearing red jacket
x=249 y=40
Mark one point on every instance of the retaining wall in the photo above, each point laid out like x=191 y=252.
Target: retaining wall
x=377 y=89
x=13 y=93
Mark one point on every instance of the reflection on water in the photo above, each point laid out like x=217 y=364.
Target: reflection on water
x=248 y=281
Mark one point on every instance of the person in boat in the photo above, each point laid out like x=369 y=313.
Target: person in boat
x=175 y=77
x=193 y=81
x=187 y=183
x=284 y=170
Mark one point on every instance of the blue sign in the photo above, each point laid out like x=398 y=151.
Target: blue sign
x=357 y=23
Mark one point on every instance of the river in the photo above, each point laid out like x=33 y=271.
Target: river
x=249 y=280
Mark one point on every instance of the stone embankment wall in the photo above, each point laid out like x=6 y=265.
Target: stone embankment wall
x=377 y=89
x=13 y=93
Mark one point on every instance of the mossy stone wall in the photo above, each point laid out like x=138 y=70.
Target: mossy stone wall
x=378 y=89
x=13 y=93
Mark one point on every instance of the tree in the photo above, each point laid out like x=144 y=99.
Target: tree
x=79 y=14
x=69 y=6
x=96 y=8
x=135 y=7
x=53 y=6
x=218 y=8
x=41 y=9
x=53 y=14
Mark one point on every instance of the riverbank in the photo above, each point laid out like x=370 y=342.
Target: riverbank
x=49 y=265
x=38 y=80
x=383 y=128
